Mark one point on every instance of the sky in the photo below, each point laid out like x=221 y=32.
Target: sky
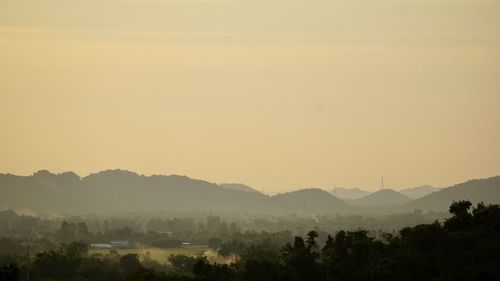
x=275 y=94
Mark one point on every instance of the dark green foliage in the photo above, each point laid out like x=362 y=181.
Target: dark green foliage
x=70 y=232
x=183 y=263
x=462 y=218
x=263 y=270
x=261 y=263
x=233 y=247
x=166 y=243
x=130 y=262
x=464 y=247
x=204 y=271
x=301 y=260
x=9 y=272
x=214 y=243
x=75 y=249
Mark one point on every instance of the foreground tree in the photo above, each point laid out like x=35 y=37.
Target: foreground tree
x=464 y=247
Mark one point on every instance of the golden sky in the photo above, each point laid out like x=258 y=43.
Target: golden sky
x=277 y=94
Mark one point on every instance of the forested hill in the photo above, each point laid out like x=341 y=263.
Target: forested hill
x=481 y=190
x=381 y=197
x=115 y=190
x=419 y=191
x=118 y=190
x=464 y=247
x=310 y=200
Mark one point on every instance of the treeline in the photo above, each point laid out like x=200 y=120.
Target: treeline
x=464 y=247
x=195 y=228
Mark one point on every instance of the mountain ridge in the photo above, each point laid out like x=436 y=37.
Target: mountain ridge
x=485 y=190
x=419 y=191
x=380 y=198
x=115 y=190
x=349 y=193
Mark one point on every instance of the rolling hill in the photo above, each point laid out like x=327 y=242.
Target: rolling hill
x=119 y=190
x=381 y=198
x=116 y=190
x=238 y=186
x=349 y=193
x=479 y=190
x=311 y=200
x=419 y=191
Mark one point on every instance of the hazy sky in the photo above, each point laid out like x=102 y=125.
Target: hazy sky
x=277 y=94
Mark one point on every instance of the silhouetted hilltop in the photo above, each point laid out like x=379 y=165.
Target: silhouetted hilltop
x=119 y=190
x=115 y=190
x=238 y=186
x=349 y=193
x=381 y=198
x=479 y=190
x=419 y=191
x=8 y=215
x=308 y=201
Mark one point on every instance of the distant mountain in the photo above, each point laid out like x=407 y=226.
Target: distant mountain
x=381 y=198
x=311 y=200
x=419 y=191
x=238 y=186
x=119 y=190
x=480 y=190
x=349 y=193
x=7 y=216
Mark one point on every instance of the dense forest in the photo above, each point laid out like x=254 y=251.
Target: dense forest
x=237 y=233
x=147 y=228
x=249 y=140
x=463 y=247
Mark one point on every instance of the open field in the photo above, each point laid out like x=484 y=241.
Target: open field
x=159 y=254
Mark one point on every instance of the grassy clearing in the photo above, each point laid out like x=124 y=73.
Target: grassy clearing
x=161 y=255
